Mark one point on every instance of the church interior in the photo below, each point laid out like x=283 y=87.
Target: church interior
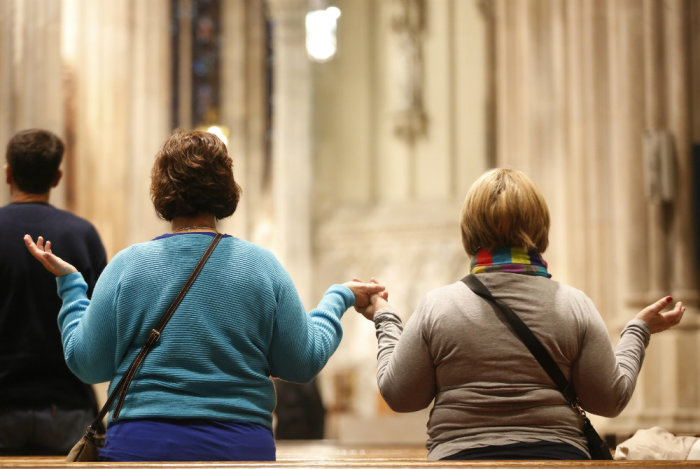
x=356 y=128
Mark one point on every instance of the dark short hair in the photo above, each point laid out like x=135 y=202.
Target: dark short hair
x=193 y=174
x=34 y=156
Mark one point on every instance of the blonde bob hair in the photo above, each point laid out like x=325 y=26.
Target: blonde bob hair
x=504 y=208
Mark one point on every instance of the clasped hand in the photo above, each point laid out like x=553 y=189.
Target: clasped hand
x=375 y=298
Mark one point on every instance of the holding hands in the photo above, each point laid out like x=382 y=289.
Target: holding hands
x=42 y=252
x=377 y=301
x=364 y=292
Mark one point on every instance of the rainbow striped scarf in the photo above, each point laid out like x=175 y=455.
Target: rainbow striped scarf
x=513 y=260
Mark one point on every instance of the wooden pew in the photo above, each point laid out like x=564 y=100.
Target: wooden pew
x=329 y=455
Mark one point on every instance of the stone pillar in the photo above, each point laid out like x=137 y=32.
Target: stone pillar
x=116 y=57
x=291 y=145
x=627 y=121
x=31 y=85
x=677 y=43
x=244 y=101
x=234 y=109
x=659 y=213
x=148 y=122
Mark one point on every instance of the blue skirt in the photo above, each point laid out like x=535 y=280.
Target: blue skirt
x=187 y=440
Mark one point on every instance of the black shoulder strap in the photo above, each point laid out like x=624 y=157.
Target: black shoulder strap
x=529 y=339
x=122 y=387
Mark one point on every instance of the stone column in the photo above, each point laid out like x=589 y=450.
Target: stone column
x=31 y=86
x=234 y=109
x=148 y=122
x=244 y=100
x=627 y=122
x=291 y=146
x=677 y=43
x=658 y=212
x=117 y=65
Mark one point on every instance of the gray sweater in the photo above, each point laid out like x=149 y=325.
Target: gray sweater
x=487 y=387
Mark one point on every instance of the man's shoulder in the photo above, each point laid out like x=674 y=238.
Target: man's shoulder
x=59 y=212
x=71 y=221
x=60 y=226
x=47 y=211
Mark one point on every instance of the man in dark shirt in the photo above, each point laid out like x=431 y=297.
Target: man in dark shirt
x=44 y=408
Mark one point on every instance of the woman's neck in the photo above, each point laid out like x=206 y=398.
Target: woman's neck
x=199 y=223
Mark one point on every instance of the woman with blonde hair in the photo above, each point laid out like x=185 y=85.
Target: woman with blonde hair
x=491 y=398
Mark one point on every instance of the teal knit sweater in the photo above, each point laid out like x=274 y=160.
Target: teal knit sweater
x=241 y=322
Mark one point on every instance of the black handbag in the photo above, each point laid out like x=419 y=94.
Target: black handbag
x=88 y=447
x=598 y=448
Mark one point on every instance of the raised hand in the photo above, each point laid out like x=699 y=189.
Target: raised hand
x=659 y=321
x=42 y=252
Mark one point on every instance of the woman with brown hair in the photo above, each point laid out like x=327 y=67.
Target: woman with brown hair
x=491 y=398
x=204 y=392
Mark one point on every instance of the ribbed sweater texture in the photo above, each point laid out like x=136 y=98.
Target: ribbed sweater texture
x=485 y=386
x=241 y=322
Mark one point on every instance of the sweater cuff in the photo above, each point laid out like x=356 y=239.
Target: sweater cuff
x=345 y=293
x=66 y=282
x=640 y=328
x=386 y=314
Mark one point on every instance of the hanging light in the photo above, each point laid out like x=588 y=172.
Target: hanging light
x=321 y=26
x=218 y=130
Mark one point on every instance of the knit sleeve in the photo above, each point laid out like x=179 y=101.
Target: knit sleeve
x=303 y=342
x=604 y=377
x=405 y=373
x=88 y=327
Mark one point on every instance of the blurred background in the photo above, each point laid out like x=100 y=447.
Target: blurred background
x=356 y=128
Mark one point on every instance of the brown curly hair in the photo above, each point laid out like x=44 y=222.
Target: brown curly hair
x=193 y=174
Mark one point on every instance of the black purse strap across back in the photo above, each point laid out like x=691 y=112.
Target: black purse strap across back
x=597 y=447
x=123 y=386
